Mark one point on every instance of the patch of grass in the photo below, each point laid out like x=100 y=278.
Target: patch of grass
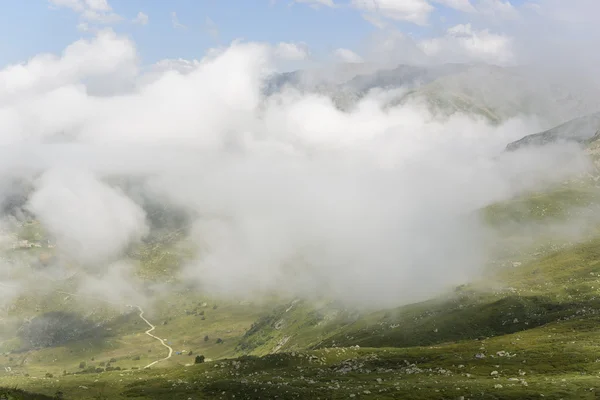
x=565 y=201
x=18 y=394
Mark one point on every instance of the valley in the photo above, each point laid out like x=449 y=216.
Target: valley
x=213 y=229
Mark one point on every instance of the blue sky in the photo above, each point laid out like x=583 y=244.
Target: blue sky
x=29 y=27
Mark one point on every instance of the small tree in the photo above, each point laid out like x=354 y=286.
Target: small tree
x=199 y=359
x=82 y=365
x=219 y=341
x=206 y=339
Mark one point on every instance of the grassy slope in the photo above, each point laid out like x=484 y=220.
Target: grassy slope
x=537 y=328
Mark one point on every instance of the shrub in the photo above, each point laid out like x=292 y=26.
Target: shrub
x=199 y=359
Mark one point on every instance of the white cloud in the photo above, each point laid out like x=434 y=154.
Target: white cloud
x=75 y=5
x=141 y=19
x=101 y=17
x=463 y=43
x=175 y=21
x=89 y=220
x=118 y=285
x=416 y=11
x=98 y=5
x=365 y=205
x=461 y=5
x=391 y=47
x=292 y=51
x=90 y=11
x=348 y=56
x=105 y=55
x=573 y=12
x=375 y=20
x=497 y=9
x=317 y=3
x=83 y=27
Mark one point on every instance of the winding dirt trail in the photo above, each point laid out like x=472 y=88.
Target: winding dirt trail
x=152 y=327
x=141 y=315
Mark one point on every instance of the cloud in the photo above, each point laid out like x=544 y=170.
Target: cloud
x=84 y=27
x=292 y=51
x=375 y=20
x=497 y=9
x=460 y=5
x=390 y=47
x=576 y=12
x=75 y=5
x=317 y=3
x=373 y=205
x=175 y=21
x=89 y=220
x=141 y=19
x=117 y=284
x=90 y=11
x=98 y=5
x=416 y=11
x=463 y=43
x=106 y=55
x=347 y=56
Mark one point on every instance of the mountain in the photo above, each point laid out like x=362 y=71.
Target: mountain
x=317 y=78
x=482 y=90
x=402 y=76
x=500 y=93
x=579 y=130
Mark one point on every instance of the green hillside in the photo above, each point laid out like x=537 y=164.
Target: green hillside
x=527 y=328
x=524 y=330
